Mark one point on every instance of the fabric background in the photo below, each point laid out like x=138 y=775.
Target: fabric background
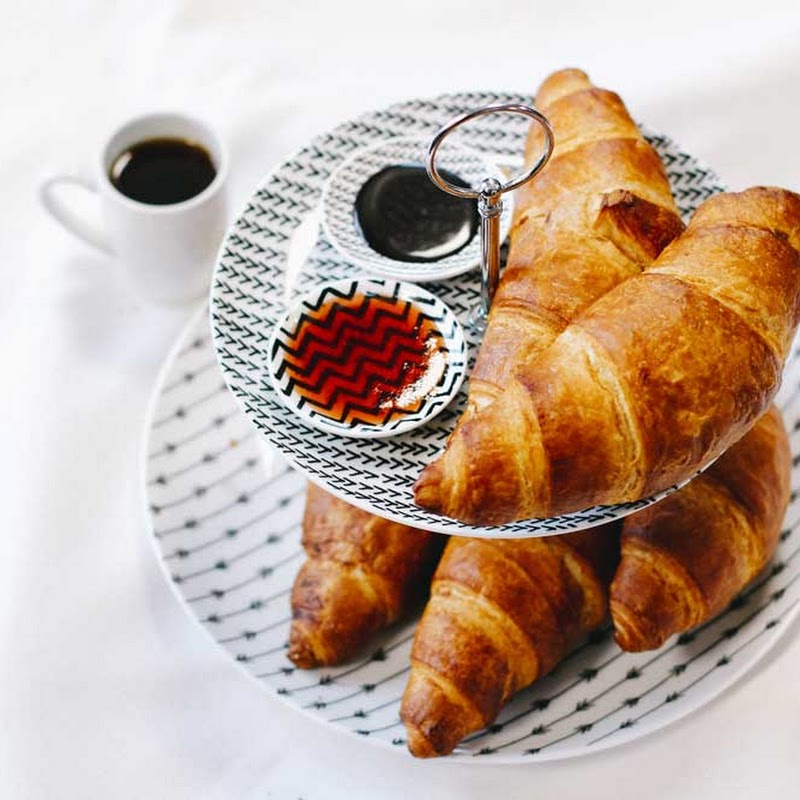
x=107 y=689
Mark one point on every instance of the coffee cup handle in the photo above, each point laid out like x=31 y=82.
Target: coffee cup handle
x=73 y=222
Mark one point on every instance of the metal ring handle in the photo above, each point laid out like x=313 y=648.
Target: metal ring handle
x=514 y=108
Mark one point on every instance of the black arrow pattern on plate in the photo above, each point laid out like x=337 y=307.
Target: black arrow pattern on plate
x=594 y=696
x=258 y=623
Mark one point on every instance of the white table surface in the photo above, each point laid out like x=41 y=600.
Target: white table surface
x=107 y=689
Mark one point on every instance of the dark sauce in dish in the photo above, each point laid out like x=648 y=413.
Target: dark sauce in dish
x=365 y=359
x=404 y=216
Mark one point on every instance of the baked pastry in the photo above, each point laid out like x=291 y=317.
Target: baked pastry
x=502 y=613
x=362 y=574
x=685 y=558
x=651 y=383
x=598 y=213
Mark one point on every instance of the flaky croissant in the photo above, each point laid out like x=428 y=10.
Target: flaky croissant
x=501 y=614
x=362 y=573
x=651 y=383
x=685 y=558
x=598 y=213
x=504 y=612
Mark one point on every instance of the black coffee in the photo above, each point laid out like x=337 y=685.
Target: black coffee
x=162 y=171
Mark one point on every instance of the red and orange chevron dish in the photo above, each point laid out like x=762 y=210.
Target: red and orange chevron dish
x=364 y=358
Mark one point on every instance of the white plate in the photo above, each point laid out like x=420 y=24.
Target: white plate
x=294 y=388
x=342 y=188
x=253 y=285
x=226 y=520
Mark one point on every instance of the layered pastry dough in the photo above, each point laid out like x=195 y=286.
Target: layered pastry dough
x=362 y=574
x=649 y=384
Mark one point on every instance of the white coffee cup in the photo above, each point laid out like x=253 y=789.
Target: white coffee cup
x=168 y=250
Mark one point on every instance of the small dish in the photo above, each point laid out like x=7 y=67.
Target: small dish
x=368 y=358
x=340 y=219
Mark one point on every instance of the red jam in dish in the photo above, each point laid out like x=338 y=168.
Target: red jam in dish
x=365 y=359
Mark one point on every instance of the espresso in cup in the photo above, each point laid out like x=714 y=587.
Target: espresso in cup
x=162 y=171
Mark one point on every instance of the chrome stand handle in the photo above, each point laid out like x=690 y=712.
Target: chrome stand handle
x=490 y=204
x=490 y=207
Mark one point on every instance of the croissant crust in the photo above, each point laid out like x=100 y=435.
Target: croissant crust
x=651 y=383
x=362 y=574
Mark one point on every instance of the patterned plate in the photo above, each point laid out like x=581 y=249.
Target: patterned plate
x=342 y=188
x=254 y=281
x=226 y=514
x=335 y=359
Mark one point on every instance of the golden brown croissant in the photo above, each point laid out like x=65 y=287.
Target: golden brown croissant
x=362 y=573
x=685 y=558
x=599 y=213
x=652 y=382
x=502 y=613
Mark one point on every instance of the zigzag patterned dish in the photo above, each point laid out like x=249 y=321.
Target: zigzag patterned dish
x=253 y=283
x=368 y=358
x=226 y=514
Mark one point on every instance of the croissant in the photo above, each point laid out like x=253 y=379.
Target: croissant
x=685 y=558
x=599 y=213
x=362 y=573
x=502 y=613
x=651 y=383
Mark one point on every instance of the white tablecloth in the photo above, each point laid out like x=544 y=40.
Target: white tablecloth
x=107 y=689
